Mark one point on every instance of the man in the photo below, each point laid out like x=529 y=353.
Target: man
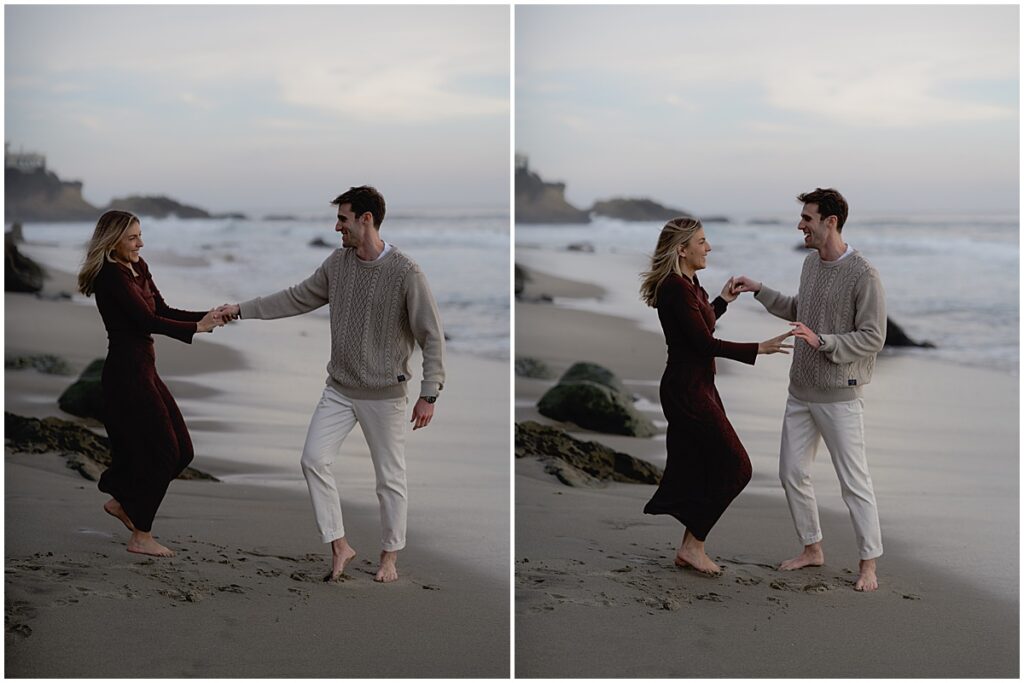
x=839 y=315
x=380 y=305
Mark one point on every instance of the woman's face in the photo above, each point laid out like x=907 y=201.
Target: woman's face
x=127 y=249
x=694 y=254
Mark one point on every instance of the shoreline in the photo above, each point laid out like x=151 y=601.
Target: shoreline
x=587 y=558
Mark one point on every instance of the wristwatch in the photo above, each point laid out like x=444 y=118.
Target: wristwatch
x=429 y=399
x=821 y=341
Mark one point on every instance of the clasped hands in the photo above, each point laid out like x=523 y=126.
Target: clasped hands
x=218 y=317
x=740 y=283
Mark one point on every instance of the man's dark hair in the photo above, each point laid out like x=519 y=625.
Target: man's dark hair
x=830 y=203
x=363 y=198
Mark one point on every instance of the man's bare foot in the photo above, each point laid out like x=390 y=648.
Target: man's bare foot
x=142 y=542
x=341 y=554
x=812 y=556
x=113 y=508
x=387 y=572
x=868 y=580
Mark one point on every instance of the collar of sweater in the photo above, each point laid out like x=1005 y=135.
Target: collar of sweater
x=386 y=257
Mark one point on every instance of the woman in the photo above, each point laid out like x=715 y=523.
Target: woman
x=707 y=465
x=149 y=442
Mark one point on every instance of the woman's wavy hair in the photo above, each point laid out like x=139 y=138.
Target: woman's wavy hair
x=665 y=260
x=110 y=228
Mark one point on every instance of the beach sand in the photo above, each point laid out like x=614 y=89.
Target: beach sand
x=244 y=596
x=597 y=594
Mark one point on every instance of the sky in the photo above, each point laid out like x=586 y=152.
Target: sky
x=723 y=109
x=264 y=108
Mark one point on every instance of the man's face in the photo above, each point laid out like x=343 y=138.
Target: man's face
x=352 y=228
x=814 y=227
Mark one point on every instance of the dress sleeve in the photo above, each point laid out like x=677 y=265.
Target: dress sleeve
x=131 y=304
x=719 y=305
x=686 y=309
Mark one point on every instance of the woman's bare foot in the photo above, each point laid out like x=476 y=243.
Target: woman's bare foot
x=691 y=554
x=812 y=556
x=142 y=542
x=387 y=572
x=341 y=554
x=113 y=508
x=868 y=580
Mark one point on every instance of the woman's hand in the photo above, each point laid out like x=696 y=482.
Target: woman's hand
x=213 y=319
x=727 y=292
x=775 y=345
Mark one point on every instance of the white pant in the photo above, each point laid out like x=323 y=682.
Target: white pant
x=842 y=427
x=383 y=424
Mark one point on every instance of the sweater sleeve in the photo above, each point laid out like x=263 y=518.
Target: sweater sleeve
x=868 y=335
x=129 y=301
x=308 y=295
x=686 y=310
x=777 y=304
x=425 y=323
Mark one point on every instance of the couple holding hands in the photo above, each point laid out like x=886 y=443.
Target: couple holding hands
x=838 y=327
x=380 y=308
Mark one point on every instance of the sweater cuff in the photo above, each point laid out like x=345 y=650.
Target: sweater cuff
x=249 y=309
x=829 y=343
x=430 y=388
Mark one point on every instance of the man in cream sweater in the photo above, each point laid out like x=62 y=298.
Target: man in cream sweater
x=839 y=314
x=380 y=306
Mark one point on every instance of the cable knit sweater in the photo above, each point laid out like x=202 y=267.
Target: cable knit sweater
x=379 y=309
x=843 y=301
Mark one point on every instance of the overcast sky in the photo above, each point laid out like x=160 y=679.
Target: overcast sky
x=739 y=108
x=258 y=108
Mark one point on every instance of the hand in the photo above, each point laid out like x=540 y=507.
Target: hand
x=211 y=320
x=801 y=331
x=422 y=412
x=728 y=293
x=775 y=345
x=230 y=311
x=742 y=283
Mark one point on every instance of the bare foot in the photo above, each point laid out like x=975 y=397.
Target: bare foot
x=698 y=559
x=812 y=556
x=142 y=542
x=388 y=572
x=113 y=508
x=868 y=580
x=342 y=553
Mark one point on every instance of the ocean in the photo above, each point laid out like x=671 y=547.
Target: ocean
x=463 y=252
x=951 y=279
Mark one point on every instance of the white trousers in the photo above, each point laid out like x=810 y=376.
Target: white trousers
x=383 y=425
x=841 y=425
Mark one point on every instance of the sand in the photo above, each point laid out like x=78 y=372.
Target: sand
x=244 y=596
x=596 y=591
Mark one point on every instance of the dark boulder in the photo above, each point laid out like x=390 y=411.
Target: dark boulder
x=320 y=242
x=592 y=372
x=594 y=406
x=580 y=463
x=896 y=337
x=84 y=398
x=522 y=277
x=21 y=274
x=634 y=209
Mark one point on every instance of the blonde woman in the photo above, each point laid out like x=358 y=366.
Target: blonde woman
x=149 y=442
x=707 y=466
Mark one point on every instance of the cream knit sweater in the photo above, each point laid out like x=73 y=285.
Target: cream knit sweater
x=379 y=309
x=843 y=301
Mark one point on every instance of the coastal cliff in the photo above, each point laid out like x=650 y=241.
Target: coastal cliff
x=538 y=201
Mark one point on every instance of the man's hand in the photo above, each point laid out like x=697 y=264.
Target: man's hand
x=742 y=283
x=229 y=311
x=422 y=412
x=801 y=331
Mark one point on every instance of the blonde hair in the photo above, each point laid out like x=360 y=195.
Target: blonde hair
x=110 y=228
x=665 y=260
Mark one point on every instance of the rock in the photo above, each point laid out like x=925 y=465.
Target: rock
x=45 y=363
x=84 y=398
x=320 y=242
x=531 y=367
x=896 y=337
x=715 y=219
x=156 y=206
x=585 y=247
x=593 y=462
x=21 y=274
x=16 y=233
x=40 y=196
x=280 y=217
x=538 y=201
x=764 y=221
x=81 y=445
x=592 y=372
x=629 y=209
x=594 y=406
x=522 y=277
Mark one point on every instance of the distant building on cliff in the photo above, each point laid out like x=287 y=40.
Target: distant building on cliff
x=23 y=161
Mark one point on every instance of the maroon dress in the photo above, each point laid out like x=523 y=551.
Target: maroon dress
x=707 y=465
x=149 y=442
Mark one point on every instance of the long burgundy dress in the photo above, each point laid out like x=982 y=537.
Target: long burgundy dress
x=707 y=466
x=149 y=442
